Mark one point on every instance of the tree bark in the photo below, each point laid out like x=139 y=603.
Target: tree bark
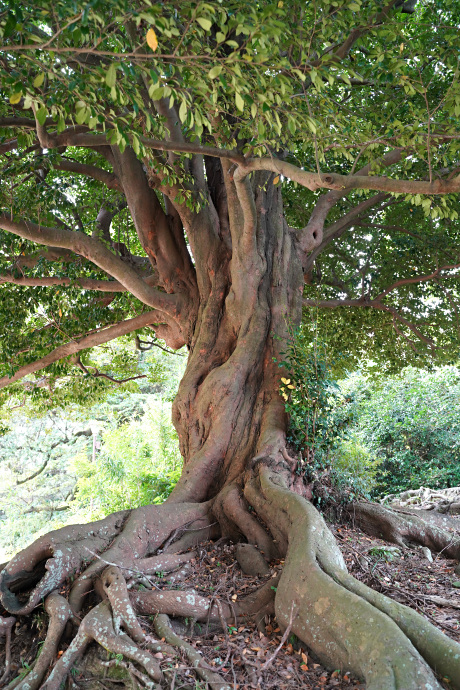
x=236 y=481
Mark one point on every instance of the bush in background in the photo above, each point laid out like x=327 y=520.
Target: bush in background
x=139 y=463
x=411 y=423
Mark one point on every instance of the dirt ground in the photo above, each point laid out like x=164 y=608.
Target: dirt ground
x=246 y=657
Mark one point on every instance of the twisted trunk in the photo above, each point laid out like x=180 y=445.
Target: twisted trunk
x=237 y=481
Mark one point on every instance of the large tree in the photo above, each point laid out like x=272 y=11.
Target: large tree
x=205 y=170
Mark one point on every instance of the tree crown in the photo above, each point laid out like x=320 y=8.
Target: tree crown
x=116 y=117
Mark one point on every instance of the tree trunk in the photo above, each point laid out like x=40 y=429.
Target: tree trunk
x=238 y=481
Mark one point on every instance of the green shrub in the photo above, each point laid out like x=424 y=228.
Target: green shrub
x=312 y=398
x=353 y=467
x=411 y=422
x=139 y=463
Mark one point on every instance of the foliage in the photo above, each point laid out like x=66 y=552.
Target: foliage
x=411 y=423
x=384 y=553
x=35 y=476
x=311 y=396
x=320 y=416
x=56 y=453
x=256 y=78
x=353 y=467
x=138 y=464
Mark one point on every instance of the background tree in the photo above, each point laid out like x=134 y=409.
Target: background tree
x=153 y=158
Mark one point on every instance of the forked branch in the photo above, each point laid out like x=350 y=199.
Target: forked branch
x=103 y=336
x=96 y=252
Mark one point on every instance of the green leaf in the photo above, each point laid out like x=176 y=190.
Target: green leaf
x=311 y=124
x=239 y=101
x=183 y=111
x=80 y=117
x=39 y=79
x=205 y=23
x=111 y=76
x=215 y=71
x=41 y=115
x=136 y=146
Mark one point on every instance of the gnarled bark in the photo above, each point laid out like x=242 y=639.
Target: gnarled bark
x=237 y=481
x=403 y=526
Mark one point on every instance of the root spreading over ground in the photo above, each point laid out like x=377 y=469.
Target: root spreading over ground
x=140 y=599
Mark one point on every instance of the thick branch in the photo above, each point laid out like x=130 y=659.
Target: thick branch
x=336 y=229
x=103 y=336
x=312 y=234
x=96 y=252
x=311 y=180
x=344 y=183
x=83 y=283
x=104 y=176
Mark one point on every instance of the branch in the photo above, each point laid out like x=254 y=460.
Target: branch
x=345 y=183
x=99 y=374
x=312 y=234
x=96 y=252
x=416 y=279
x=366 y=302
x=20 y=122
x=103 y=336
x=359 y=31
x=107 y=178
x=35 y=474
x=335 y=230
x=84 y=283
x=311 y=180
x=73 y=136
x=146 y=345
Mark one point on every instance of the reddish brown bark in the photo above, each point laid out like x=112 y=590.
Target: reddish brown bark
x=233 y=308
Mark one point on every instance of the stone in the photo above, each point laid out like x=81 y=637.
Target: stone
x=251 y=560
x=427 y=553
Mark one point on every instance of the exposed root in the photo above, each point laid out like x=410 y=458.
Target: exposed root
x=163 y=629
x=342 y=621
x=59 y=613
x=189 y=604
x=190 y=535
x=64 y=552
x=122 y=612
x=6 y=625
x=339 y=621
x=124 y=538
x=235 y=520
x=438 y=650
x=165 y=563
x=440 y=533
x=183 y=603
x=132 y=671
x=98 y=625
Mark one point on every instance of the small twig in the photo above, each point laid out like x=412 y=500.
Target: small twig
x=100 y=374
x=271 y=659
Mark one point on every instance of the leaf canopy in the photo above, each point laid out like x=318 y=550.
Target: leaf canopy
x=357 y=90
